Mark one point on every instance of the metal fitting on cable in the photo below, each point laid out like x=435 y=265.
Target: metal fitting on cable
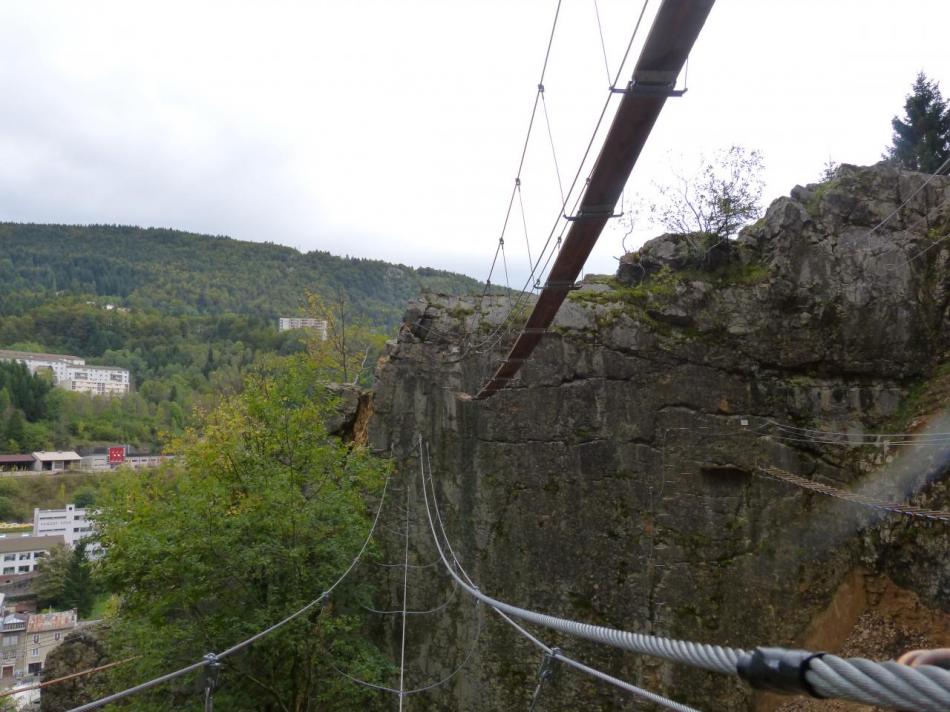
x=212 y=673
x=778 y=670
x=546 y=672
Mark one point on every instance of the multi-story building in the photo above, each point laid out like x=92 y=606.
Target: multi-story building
x=20 y=554
x=44 y=631
x=71 y=523
x=27 y=638
x=11 y=645
x=72 y=373
x=286 y=323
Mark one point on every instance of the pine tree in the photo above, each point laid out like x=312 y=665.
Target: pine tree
x=921 y=140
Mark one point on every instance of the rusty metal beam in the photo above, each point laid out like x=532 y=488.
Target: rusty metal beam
x=671 y=38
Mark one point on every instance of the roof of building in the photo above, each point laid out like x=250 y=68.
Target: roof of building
x=53 y=455
x=7 y=459
x=10 y=544
x=13 y=618
x=92 y=366
x=6 y=354
x=40 y=622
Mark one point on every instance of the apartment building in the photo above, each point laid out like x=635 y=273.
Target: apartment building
x=27 y=638
x=72 y=373
x=286 y=323
x=21 y=554
x=71 y=523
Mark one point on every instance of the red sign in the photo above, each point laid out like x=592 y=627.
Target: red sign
x=116 y=455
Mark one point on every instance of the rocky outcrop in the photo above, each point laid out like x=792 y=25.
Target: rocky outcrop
x=615 y=480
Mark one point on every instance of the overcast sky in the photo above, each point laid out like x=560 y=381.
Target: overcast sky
x=392 y=128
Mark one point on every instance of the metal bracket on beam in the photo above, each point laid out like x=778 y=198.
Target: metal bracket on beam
x=594 y=212
x=567 y=286
x=516 y=360
x=644 y=89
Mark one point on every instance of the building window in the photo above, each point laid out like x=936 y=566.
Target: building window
x=35 y=668
x=36 y=638
x=24 y=569
x=39 y=554
x=9 y=569
x=57 y=635
x=25 y=556
x=9 y=557
x=34 y=652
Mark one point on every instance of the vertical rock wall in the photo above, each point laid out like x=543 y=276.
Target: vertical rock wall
x=614 y=481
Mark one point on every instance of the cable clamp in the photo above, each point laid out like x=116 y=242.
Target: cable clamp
x=639 y=88
x=540 y=88
x=517 y=182
x=546 y=671
x=212 y=671
x=778 y=670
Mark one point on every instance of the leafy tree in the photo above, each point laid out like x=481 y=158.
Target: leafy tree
x=717 y=200
x=921 y=140
x=264 y=511
x=80 y=650
x=85 y=497
x=349 y=342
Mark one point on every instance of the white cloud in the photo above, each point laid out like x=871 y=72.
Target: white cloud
x=393 y=130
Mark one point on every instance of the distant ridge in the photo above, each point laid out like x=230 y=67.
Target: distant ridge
x=189 y=274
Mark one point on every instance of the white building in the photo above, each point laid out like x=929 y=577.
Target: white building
x=72 y=373
x=20 y=554
x=286 y=323
x=56 y=460
x=70 y=523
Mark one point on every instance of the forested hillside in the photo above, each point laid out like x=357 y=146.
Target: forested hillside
x=188 y=315
x=186 y=274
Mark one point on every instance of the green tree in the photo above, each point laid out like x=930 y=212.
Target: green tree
x=263 y=512
x=921 y=140
x=78 y=591
x=53 y=573
x=717 y=200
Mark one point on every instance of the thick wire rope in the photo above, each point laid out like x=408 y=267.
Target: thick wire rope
x=115 y=697
x=708 y=657
x=774 y=473
x=925 y=688
x=555 y=653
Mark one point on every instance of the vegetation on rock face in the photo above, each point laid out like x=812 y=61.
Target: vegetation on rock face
x=921 y=139
x=263 y=513
x=719 y=199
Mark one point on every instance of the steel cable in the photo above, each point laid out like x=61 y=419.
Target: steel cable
x=555 y=653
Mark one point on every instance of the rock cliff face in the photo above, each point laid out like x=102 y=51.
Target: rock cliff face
x=616 y=481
